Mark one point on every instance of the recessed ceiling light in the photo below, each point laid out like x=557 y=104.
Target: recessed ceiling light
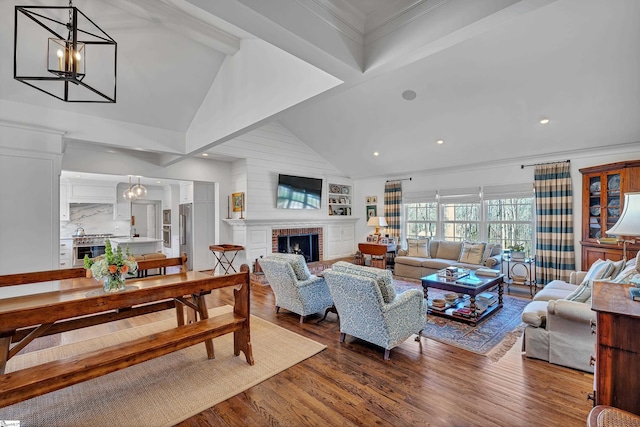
x=158 y=182
x=205 y=154
x=409 y=95
x=440 y=142
x=375 y=153
x=544 y=121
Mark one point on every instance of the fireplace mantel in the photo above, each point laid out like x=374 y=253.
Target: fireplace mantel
x=256 y=235
x=292 y=222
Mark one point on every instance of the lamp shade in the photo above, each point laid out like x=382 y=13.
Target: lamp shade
x=629 y=222
x=377 y=221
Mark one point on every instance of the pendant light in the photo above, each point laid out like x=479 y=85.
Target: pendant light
x=129 y=194
x=69 y=36
x=139 y=190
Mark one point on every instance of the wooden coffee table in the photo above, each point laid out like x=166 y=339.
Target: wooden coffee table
x=471 y=285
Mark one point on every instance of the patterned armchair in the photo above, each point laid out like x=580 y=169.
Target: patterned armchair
x=294 y=287
x=369 y=308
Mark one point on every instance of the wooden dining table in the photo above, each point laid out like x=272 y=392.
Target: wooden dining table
x=82 y=303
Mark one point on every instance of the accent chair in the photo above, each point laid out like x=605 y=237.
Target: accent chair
x=294 y=287
x=369 y=308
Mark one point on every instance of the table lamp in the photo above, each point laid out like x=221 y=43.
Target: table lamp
x=629 y=222
x=377 y=222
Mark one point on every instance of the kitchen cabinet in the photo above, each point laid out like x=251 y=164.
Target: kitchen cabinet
x=603 y=190
x=186 y=192
x=122 y=207
x=86 y=191
x=340 y=240
x=617 y=359
x=66 y=253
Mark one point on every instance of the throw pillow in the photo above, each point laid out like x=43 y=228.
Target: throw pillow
x=418 y=248
x=618 y=266
x=627 y=274
x=471 y=253
x=488 y=248
x=582 y=292
x=448 y=250
x=599 y=270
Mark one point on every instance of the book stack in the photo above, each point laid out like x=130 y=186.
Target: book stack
x=462 y=312
x=487 y=272
x=635 y=293
x=487 y=299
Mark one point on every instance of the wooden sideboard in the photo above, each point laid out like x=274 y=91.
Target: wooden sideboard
x=617 y=361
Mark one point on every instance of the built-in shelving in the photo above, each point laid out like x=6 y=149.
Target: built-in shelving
x=340 y=198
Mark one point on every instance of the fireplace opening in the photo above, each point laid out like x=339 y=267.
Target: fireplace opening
x=306 y=245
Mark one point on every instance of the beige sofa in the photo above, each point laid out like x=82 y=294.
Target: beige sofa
x=426 y=256
x=558 y=329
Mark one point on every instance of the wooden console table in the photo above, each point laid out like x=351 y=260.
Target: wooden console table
x=25 y=318
x=617 y=361
x=378 y=251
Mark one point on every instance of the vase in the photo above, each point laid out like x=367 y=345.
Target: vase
x=113 y=283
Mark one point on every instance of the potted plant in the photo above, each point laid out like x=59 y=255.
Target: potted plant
x=517 y=251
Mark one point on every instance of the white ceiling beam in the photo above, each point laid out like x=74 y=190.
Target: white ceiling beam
x=183 y=18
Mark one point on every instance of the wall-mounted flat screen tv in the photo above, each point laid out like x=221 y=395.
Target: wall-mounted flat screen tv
x=297 y=192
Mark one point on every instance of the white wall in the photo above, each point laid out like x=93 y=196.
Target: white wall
x=29 y=202
x=491 y=174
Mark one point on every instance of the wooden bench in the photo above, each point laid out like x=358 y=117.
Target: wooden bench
x=40 y=311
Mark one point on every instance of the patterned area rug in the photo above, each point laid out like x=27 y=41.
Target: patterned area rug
x=492 y=338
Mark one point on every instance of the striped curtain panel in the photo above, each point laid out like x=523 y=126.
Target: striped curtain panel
x=555 y=256
x=393 y=208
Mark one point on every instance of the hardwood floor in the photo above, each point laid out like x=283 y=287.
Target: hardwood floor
x=423 y=384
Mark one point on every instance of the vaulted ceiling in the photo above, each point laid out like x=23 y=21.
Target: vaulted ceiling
x=193 y=74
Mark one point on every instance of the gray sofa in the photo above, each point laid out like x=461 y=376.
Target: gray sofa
x=427 y=256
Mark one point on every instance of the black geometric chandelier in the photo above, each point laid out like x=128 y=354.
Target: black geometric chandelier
x=81 y=59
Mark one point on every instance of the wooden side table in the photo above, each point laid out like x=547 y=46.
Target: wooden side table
x=378 y=253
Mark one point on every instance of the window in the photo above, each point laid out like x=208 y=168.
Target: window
x=422 y=220
x=504 y=215
x=510 y=222
x=461 y=221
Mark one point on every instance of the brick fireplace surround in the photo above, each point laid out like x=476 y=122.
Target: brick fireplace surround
x=296 y=231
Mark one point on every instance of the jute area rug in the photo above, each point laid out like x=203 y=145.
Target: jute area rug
x=162 y=391
x=491 y=338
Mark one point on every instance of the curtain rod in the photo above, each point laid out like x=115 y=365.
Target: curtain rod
x=400 y=179
x=547 y=163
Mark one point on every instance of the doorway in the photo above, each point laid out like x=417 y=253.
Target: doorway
x=145 y=218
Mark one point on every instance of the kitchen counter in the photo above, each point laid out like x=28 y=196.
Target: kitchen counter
x=133 y=240
x=138 y=245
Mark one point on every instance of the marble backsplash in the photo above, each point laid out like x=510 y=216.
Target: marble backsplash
x=95 y=218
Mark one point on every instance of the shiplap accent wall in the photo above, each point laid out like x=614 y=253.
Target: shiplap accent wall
x=271 y=150
x=266 y=152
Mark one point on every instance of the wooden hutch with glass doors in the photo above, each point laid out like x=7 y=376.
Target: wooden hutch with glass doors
x=603 y=190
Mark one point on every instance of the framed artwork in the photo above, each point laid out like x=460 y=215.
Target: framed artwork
x=370 y=238
x=384 y=241
x=372 y=210
x=237 y=200
x=375 y=238
x=374 y=199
